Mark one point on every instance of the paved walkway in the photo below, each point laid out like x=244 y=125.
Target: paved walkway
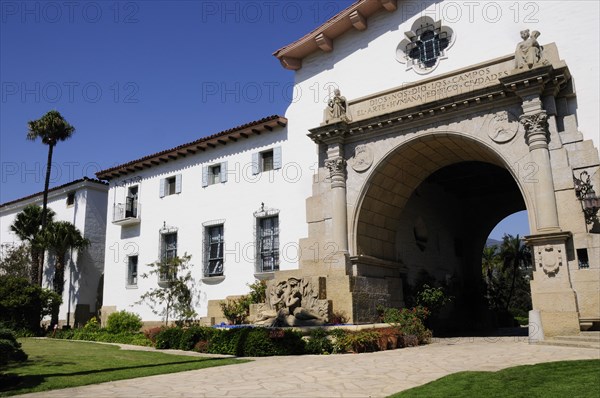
x=376 y=374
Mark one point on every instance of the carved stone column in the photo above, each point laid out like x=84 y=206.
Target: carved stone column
x=552 y=293
x=529 y=86
x=337 y=173
x=534 y=119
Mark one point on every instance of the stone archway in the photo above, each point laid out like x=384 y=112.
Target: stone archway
x=426 y=210
x=375 y=157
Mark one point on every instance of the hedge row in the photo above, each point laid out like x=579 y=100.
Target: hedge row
x=102 y=335
x=258 y=342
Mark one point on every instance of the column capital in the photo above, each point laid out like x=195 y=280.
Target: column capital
x=337 y=171
x=536 y=129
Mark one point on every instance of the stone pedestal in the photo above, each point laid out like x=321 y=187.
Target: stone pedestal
x=551 y=291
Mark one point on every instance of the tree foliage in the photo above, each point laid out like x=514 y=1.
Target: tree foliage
x=506 y=273
x=28 y=227
x=51 y=129
x=173 y=297
x=15 y=260
x=22 y=304
x=516 y=259
x=60 y=238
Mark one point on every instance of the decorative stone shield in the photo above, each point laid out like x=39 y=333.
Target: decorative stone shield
x=502 y=127
x=363 y=158
x=549 y=259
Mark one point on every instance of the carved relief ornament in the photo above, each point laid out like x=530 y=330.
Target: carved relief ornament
x=502 y=127
x=363 y=158
x=336 y=166
x=549 y=258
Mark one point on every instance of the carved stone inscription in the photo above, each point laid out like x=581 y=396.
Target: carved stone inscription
x=406 y=97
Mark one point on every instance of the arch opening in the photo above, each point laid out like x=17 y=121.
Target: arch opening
x=429 y=209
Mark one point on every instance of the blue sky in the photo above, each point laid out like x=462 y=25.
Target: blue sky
x=137 y=77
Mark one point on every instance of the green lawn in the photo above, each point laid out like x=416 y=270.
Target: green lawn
x=571 y=379
x=56 y=364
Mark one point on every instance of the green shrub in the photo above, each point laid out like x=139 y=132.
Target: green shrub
x=409 y=322
x=168 y=338
x=63 y=334
x=433 y=298
x=192 y=335
x=123 y=321
x=10 y=348
x=339 y=341
x=361 y=341
x=237 y=310
x=22 y=305
x=256 y=342
x=92 y=324
x=319 y=343
x=228 y=341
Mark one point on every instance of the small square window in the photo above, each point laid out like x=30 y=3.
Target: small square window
x=71 y=199
x=171 y=185
x=266 y=161
x=214 y=176
x=583 y=259
x=132 y=270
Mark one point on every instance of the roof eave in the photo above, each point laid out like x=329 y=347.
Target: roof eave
x=220 y=139
x=322 y=38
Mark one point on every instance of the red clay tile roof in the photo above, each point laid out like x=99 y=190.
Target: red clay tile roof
x=232 y=135
x=54 y=189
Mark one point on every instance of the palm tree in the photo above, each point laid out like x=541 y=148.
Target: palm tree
x=62 y=237
x=27 y=226
x=51 y=128
x=489 y=261
x=515 y=255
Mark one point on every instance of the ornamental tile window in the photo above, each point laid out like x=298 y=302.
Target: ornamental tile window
x=425 y=45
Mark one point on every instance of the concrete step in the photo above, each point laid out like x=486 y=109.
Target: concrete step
x=582 y=337
x=583 y=340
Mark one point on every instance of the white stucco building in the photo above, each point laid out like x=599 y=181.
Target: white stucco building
x=434 y=92
x=83 y=203
x=212 y=195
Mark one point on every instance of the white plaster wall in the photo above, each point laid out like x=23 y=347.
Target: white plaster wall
x=234 y=201
x=80 y=281
x=365 y=62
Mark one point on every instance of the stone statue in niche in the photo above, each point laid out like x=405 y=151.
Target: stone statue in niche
x=529 y=52
x=337 y=108
x=293 y=302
